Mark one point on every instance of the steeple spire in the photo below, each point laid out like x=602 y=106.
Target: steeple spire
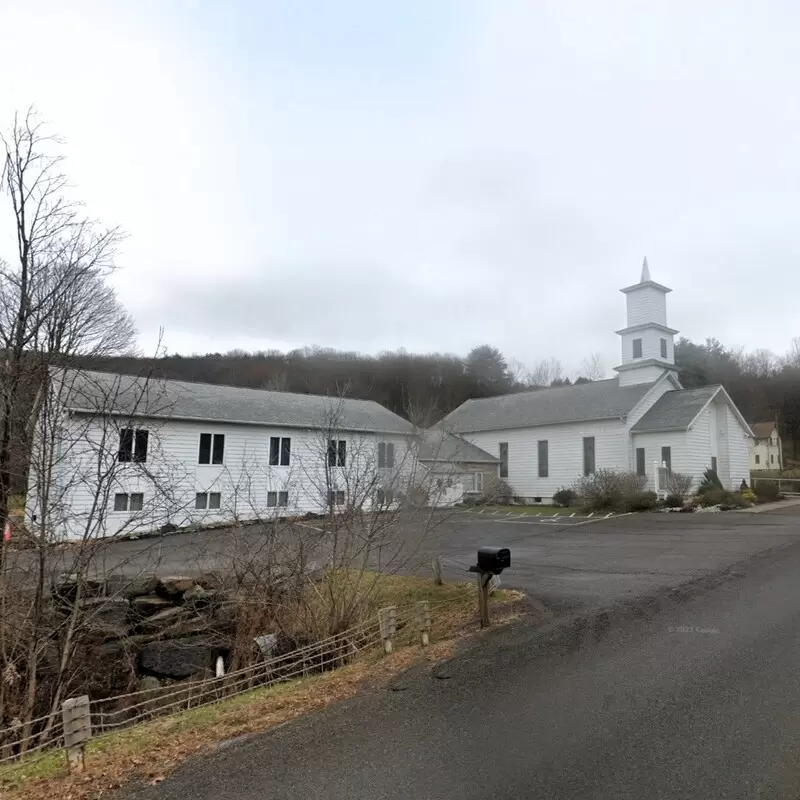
x=645 y=271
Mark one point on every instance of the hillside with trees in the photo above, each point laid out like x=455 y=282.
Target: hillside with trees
x=425 y=387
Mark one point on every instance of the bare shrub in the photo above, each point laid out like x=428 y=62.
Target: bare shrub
x=679 y=484
x=609 y=488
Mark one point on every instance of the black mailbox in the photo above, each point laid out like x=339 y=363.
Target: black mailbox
x=494 y=559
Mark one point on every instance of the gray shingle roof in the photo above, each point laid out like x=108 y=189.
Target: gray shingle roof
x=587 y=401
x=93 y=392
x=675 y=410
x=440 y=446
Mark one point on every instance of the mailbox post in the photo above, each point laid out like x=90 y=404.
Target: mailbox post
x=491 y=561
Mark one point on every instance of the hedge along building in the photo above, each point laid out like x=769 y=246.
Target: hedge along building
x=636 y=421
x=124 y=454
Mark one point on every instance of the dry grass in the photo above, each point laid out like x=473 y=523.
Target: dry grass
x=129 y=755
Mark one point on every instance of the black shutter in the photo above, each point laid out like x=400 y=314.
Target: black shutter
x=205 y=449
x=640 y=465
x=218 y=456
x=381 y=455
x=274 y=447
x=342 y=452
x=390 y=454
x=331 y=452
x=140 y=453
x=125 y=445
x=286 y=449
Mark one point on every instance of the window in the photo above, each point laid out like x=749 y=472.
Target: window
x=666 y=458
x=503 y=459
x=128 y=502
x=479 y=482
x=663 y=348
x=758 y=458
x=640 y=462
x=207 y=500
x=133 y=445
x=544 y=466
x=337 y=452
x=212 y=448
x=637 y=348
x=385 y=455
x=280 y=449
x=588 y=455
x=336 y=497
x=277 y=499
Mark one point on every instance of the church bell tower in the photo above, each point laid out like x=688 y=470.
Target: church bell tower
x=648 y=347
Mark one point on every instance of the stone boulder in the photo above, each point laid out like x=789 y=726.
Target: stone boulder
x=162 y=619
x=105 y=617
x=173 y=586
x=149 y=604
x=66 y=585
x=129 y=588
x=178 y=658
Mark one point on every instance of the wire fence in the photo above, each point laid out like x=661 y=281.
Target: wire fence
x=41 y=736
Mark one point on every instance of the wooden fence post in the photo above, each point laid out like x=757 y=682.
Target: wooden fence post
x=437 y=571
x=424 y=621
x=77 y=730
x=387 y=617
x=483 y=598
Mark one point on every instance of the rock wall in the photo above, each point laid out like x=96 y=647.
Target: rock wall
x=170 y=627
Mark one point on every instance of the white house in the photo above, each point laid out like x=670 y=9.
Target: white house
x=638 y=421
x=116 y=453
x=766 y=448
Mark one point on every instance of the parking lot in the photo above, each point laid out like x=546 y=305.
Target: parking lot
x=594 y=562
x=566 y=561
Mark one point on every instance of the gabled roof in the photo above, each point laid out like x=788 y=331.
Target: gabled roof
x=562 y=404
x=138 y=396
x=440 y=446
x=763 y=430
x=675 y=410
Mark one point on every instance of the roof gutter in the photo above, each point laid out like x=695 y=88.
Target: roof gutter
x=172 y=418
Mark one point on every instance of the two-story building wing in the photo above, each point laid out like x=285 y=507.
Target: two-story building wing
x=116 y=453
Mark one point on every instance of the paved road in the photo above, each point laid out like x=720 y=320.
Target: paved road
x=698 y=698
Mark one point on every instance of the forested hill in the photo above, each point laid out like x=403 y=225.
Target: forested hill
x=428 y=386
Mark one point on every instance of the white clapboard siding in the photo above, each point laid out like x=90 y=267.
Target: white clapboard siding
x=738 y=448
x=565 y=453
x=171 y=476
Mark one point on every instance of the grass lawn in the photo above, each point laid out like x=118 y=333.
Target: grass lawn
x=544 y=511
x=115 y=758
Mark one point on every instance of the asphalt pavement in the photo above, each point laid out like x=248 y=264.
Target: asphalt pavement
x=679 y=693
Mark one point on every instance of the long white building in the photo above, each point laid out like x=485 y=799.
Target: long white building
x=117 y=453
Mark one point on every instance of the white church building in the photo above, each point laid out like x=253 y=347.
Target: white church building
x=641 y=420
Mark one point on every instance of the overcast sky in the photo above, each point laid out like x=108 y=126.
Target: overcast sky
x=429 y=174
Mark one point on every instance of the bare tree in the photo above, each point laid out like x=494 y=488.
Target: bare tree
x=56 y=310
x=592 y=368
x=546 y=372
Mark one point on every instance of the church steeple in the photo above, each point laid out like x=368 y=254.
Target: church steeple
x=647 y=342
